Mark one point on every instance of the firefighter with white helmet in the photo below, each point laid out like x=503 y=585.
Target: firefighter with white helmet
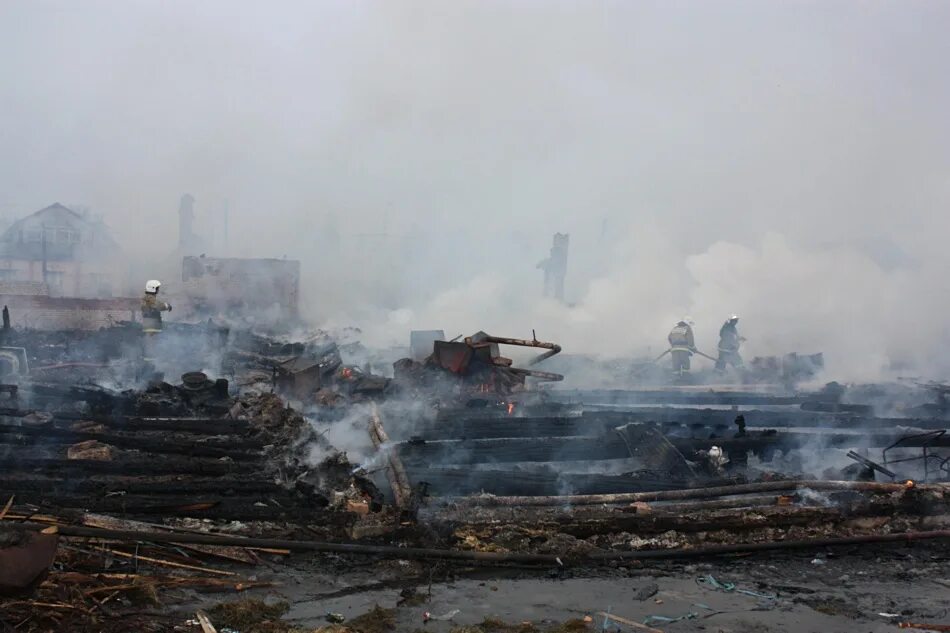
x=152 y=308
x=729 y=342
x=682 y=345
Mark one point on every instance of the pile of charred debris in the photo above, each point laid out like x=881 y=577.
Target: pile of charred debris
x=124 y=477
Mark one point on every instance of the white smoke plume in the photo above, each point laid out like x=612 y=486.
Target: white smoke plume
x=871 y=322
x=784 y=161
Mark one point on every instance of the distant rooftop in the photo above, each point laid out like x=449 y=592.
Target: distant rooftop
x=58 y=233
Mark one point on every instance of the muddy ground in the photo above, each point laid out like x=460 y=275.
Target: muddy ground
x=845 y=590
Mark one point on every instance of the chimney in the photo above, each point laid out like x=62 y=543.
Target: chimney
x=186 y=219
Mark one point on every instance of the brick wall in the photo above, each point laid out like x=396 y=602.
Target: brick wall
x=32 y=288
x=60 y=313
x=65 y=278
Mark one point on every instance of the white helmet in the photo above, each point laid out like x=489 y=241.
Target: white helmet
x=734 y=317
x=688 y=320
x=152 y=286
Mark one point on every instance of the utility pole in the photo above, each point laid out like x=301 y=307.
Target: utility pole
x=224 y=248
x=555 y=267
x=43 y=227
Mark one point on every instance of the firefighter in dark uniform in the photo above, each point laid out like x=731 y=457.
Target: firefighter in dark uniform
x=729 y=342
x=152 y=310
x=682 y=345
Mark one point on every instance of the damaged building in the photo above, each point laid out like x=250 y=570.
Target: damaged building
x=268 y=289
x=59 y=252
x=231 y=445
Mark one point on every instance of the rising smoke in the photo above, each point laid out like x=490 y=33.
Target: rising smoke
x=786 y=161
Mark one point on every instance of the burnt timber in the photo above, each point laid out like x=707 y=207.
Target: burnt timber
x=582 y=448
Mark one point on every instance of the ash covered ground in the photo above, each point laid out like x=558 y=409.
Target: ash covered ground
x=441 y=323
x=459 y=493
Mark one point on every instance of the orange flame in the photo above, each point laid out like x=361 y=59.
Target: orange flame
x=511 y=408
x=909 y=483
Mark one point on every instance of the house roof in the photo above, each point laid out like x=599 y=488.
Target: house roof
x=94 y=238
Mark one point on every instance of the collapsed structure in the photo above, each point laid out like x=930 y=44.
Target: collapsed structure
x=474 y=365
x=463 y=454
x=234 y=287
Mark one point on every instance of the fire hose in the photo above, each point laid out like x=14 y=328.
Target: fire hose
x=692 y=349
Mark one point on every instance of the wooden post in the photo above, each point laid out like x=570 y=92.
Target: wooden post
x=396 y=473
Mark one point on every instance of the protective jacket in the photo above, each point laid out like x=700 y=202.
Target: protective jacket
x=681 y=336
x=152 y=310
x=729 y=337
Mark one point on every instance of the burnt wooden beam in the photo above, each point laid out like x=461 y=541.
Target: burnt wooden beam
x=706 y=492
x=586 y=524
x=379 y=551
x=611 y=446
x=669 y=419
x=464 y=481
x=419 y=553
x=538 y=449
x=70 y=431
x=211 y=507
x=396 y=473
x=760 y=418
x=142 y=444
x=153 y=465
x=202 y=425
x=764 y=441
x=736 y=520
x=623 y=396
x=584 y=521
x=158 y=485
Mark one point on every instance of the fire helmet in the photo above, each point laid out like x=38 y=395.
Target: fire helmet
x=152 y=286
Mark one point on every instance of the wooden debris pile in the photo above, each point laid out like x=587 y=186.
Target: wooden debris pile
x=249 y=463
x=103 y=585
x=689 y=518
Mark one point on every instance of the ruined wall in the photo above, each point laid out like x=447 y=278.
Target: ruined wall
x=52 y=313
x=31 y=288
x=267 y=288
x=67 y=278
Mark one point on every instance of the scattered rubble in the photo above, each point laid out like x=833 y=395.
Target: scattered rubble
x=150 y=478
x=473 y=366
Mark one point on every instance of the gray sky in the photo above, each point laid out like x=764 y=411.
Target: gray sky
x=680 y=143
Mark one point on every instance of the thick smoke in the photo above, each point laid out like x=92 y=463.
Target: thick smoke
x=870 y=320
x=785 y=161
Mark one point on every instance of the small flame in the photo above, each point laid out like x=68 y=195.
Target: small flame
x=511 y=408
x=909 y=483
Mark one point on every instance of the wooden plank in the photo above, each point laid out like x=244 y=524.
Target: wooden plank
x=157 y=465
x=670 y=396
x=61 y=441
x=398 y=480
x=221 y=551
x=465 y=481
x=539 y=449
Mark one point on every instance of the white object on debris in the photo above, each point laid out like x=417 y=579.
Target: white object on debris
x=206 y=626
x=718 y=457
x=444 y=617
x=818 y=561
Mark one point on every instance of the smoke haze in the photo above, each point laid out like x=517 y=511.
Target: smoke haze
x=787 y=161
